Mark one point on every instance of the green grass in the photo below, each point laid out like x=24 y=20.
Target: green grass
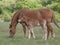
x=19 y=39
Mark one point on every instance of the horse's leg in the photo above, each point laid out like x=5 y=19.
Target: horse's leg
x=31 y=32
x=44 y=30
x=24 y=29
x=50 y=30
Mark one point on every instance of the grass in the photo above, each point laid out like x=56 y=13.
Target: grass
x=19 y=39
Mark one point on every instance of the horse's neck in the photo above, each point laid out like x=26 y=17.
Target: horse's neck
x=14 y=22
x=15 y=18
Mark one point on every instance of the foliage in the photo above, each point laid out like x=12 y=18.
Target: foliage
x=28 y=4
x=57 y=15
x=7 y=8
x=54 y=6
x=5 y=15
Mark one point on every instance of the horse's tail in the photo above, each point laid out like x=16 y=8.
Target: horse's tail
x=55 y=21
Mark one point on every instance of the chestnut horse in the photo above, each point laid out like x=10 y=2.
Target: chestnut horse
x=30 y=18
x=46 y=14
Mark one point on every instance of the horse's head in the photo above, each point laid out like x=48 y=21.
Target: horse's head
x=12 y=30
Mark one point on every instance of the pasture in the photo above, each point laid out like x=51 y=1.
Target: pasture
x=19 y=39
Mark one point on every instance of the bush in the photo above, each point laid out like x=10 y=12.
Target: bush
x=54 y=6
x=57 y=15
x=28 y=4
x=5 y=15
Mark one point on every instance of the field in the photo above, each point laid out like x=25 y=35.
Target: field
x=19 y=39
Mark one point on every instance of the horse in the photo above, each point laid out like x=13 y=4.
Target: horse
x=30 y=18
x=46 y=14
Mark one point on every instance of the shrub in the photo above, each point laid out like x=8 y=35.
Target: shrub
x=54 y=6
x=28 y=4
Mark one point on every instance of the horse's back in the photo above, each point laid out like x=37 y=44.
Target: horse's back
x=31 y=17
x=47 y=14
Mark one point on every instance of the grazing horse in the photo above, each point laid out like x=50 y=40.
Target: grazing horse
x=30 y=18
x=46 y=13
